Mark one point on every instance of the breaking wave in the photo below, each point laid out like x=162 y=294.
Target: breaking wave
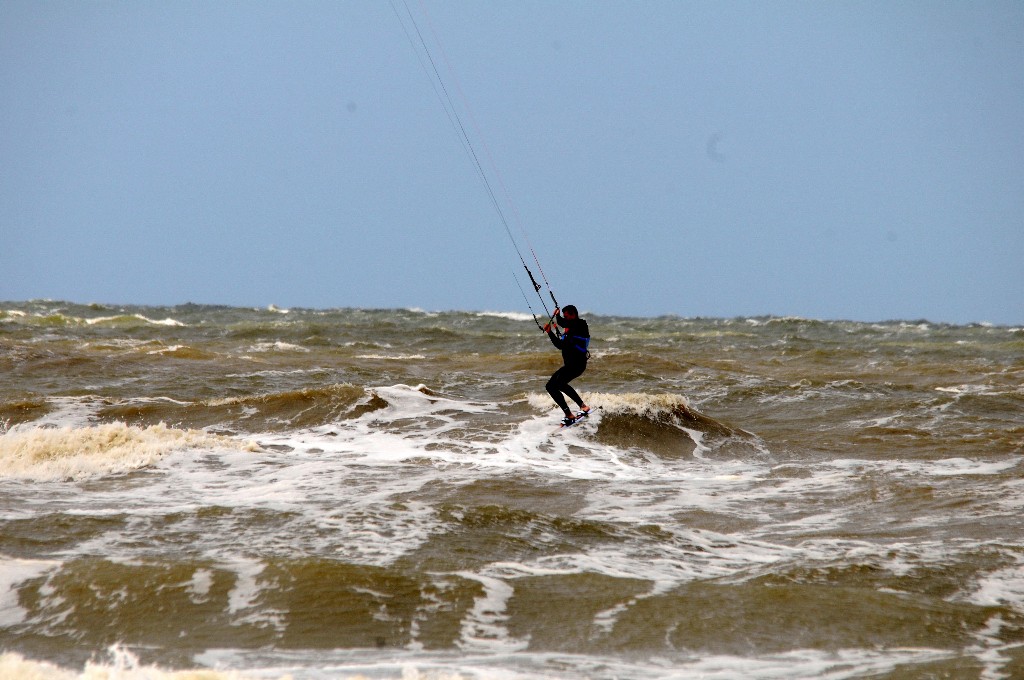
x=272 y=412
x=664 y=424
x=46 y=453
x=123 y=665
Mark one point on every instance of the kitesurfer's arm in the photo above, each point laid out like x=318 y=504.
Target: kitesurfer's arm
x=556 y=340
x=552 y=331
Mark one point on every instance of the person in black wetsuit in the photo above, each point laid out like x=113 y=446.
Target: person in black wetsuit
x=573 y=343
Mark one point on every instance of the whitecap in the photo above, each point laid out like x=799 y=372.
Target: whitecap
x=47 y=453
x=107 y=319
x=160 y=322
x=277 y=346
x=511 y=316
x=120 y=664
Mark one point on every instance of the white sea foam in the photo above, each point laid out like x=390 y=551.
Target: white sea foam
x=161 y=322
x=1001 y=587
x=355 y=455
x=155 y=322
x=43 y=453
x=939 y=468
x=13 y=572
x=169 y=349
x=799 y=664
x=966 y=389
x=277 y=346
x=120 y=343
x=277 y=373
x=632 y=403
x=378 y=533
x=122 y=665
x=65 y=412
x=484 y=629
x=369 y=528
x=425 y=424
x=199 y=586
x=343 y=480
x=511 y=316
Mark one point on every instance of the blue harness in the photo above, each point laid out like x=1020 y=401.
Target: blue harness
x=579 y=342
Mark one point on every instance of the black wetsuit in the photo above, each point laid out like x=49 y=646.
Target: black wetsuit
x=574 y=354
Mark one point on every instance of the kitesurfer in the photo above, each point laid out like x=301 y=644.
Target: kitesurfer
x=574 y=343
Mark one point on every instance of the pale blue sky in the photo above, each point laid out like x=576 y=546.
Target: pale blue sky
x=859 y=160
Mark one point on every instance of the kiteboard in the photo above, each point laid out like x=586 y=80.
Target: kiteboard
x=577 y=419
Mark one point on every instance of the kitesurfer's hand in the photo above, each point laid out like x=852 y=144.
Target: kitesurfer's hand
x=547 y=327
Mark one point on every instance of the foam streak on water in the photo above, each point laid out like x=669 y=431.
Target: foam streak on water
x=382 y=494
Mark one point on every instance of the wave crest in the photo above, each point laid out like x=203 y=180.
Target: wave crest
x=666 y=425
x=122 y=664
x=271 y=412
x=46 y=453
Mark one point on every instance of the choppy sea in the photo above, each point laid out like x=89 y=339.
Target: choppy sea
x=203 y=491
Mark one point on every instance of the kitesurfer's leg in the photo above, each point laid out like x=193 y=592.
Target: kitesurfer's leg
x=555 y=386
x=571 y=393
x=559 y=383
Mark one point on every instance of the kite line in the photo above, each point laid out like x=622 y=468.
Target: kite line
x=430 y=69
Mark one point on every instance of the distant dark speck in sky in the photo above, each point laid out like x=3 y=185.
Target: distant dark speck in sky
x=712 y=148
